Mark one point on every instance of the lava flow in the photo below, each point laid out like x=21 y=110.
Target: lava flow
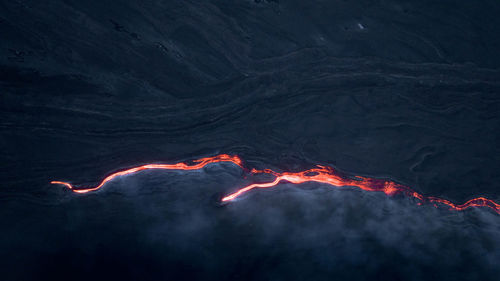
x=321 y=174
x=198 y=164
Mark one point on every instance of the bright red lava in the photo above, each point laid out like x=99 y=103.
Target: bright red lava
x=321 y=174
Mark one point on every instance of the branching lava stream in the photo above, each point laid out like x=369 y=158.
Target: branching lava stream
x=321 y=174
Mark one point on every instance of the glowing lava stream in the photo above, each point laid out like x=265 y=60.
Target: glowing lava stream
x=199 y=163
x=321 y=174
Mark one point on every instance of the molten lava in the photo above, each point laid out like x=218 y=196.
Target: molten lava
x=197 y=164
x=321 y=174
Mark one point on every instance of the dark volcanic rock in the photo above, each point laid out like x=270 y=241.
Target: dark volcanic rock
x=402 y=90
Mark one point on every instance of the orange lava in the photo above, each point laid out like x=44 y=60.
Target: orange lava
x=197 y=164
x=321 y=174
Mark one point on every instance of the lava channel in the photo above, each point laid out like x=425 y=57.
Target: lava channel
x=321 y=174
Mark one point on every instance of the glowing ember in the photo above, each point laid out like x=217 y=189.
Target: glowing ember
x=320 y=174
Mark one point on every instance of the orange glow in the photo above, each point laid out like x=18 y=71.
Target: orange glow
x=199 y=163
x=321 y=174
